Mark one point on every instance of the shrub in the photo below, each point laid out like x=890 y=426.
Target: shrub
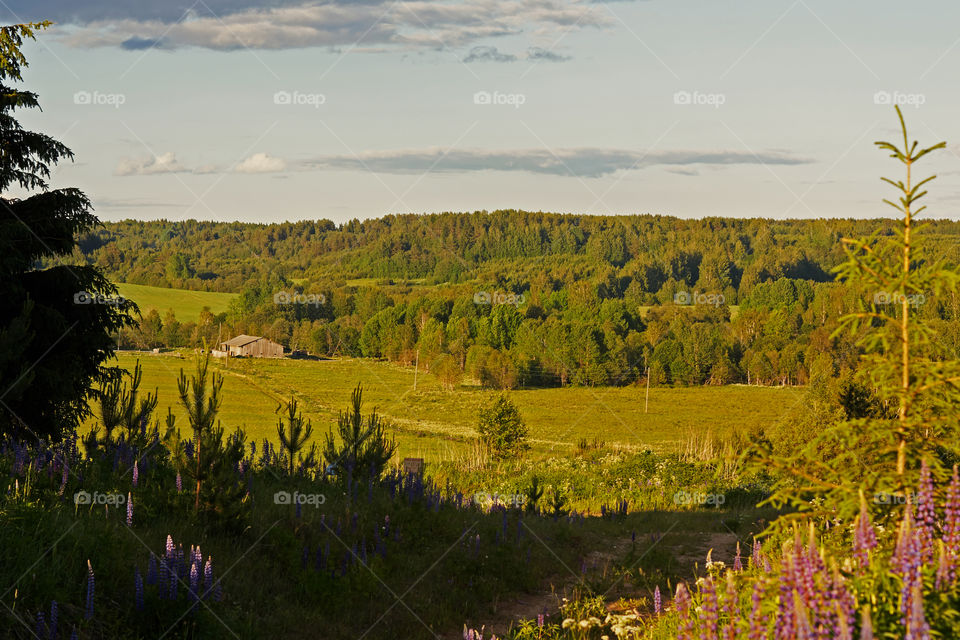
x=501 y=427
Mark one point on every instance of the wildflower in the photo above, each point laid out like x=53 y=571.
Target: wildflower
x=711 y=610
x=951 y=526
x=731 y=607
x=194 y=582
x=682 y=602
x=129 y=509
x=138 y=589
x=758 y=624
x=926 y=514
x=656 y=600
x=864 y=537
x=90 y=587
x=755 y=560
x=136 y=473
x=737 y=564
x=41 y=625
x=917 y=627
x=208 y=575
x=54 y=610
x=179 y=483
x=540 y=617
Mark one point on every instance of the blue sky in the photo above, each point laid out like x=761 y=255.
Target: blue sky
x=268 y=110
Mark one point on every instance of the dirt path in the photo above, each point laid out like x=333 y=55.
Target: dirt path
x=689 y=549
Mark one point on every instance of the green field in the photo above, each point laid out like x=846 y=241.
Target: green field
x=186 y=304
x=436 y=424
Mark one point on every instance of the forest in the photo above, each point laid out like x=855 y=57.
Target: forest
x=519 y=299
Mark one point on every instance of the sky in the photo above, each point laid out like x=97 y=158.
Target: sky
x=273 y=110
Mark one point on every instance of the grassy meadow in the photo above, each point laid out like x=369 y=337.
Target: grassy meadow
x=187 y=305
x=439 y=425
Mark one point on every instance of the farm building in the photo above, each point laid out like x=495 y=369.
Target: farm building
x=252 y=346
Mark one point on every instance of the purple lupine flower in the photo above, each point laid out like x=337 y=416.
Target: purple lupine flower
x=656 y=601
x=54 y=611
x=755 y=561
x=758 y=624
x=917 y=627
x=711 y=610
x=737 y=563
x=179 y=483
x=208 y=576
x=682 y=602
x=785 y=623
x=951 y=525
x=129 y=509
x=90 y=589
x=194 y=582
x=732 y=610
x=907 y=562
x=41 y=630
x=540 y=615
x=926 y=513
x=173 y=582
x=864 y=536
x=804 y=631
x=170 y=548
x=138 y=589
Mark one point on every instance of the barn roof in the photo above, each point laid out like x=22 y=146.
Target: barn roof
x=241 y=340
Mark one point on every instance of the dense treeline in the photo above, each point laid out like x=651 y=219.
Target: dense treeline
x=515 y=298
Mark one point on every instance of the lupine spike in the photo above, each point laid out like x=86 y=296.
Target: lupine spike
x=926 y=514
x=138 y=589
x=866 y=624
x=136 y=473
x=179 y=483
x=656 y=602
x=737 y=563
x=90 y=591
x=129 y=509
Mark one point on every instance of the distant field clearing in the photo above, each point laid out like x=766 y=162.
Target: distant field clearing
x=185 y=304
x=435 y=424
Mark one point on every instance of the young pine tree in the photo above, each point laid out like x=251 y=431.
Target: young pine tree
x=362 y=447
x=902 y=363
x=295 y=434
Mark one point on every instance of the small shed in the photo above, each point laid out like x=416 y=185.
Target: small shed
x=252 y=347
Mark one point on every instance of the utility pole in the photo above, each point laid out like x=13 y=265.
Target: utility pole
x=416 y=369
x=646 y=400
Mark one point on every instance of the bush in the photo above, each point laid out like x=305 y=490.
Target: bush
x=501 y=427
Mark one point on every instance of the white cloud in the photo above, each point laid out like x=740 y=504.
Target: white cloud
x=164 y=163
x=407 y=24
x=261 y=163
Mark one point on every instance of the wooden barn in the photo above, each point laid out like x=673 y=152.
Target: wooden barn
x=252 y=347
